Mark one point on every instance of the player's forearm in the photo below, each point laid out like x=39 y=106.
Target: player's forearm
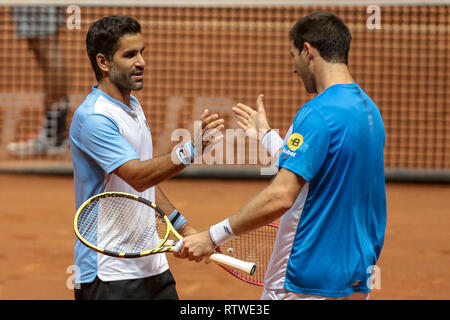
x=162 y=201
x=142 y=175
x=155 y=171
x=167 y=206
x=187 y=229
x=267 y=206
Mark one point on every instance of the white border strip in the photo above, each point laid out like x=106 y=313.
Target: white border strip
x=221 y=3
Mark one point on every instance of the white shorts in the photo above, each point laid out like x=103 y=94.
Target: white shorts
x=283 y=294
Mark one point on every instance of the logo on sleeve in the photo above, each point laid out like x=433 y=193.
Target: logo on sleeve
x=295 y=141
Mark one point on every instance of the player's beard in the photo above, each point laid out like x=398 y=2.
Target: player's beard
x=308 y=80
x=307 y=76
x=124 y=81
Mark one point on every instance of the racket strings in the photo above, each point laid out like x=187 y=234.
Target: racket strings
x=87 y=223
x=121 y=225
x=256 y=247
x=144 y=239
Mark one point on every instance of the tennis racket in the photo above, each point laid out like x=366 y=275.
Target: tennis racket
x=255 y=246
x=124 y=225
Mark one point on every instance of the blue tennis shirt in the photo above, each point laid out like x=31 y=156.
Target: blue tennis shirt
x=334 y=232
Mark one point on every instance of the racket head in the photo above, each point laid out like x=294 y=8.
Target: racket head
x=255 y=246
x=122 y=225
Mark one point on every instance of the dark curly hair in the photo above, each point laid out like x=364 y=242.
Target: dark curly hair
x=326 y=32
x=103 y=37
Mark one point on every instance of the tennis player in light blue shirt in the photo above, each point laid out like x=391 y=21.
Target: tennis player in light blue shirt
x=112 y=150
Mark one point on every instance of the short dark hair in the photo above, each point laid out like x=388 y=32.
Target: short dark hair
x=103 y=36
x=326 y=32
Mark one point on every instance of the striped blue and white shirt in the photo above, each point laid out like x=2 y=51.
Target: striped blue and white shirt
x=105 y=134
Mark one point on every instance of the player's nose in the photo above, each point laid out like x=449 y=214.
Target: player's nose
x=140 y=62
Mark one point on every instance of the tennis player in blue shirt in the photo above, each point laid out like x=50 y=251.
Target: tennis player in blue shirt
x=329 y=191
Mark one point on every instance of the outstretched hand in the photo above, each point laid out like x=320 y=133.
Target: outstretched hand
x=253 y=122
x=211 y=128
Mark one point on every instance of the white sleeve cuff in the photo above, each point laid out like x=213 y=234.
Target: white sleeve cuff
x=272 y=142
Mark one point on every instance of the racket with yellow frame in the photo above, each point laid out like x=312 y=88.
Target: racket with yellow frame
x=124 y=225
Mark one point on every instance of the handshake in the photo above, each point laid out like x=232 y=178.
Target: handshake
x=196 y=246
x=208 y=132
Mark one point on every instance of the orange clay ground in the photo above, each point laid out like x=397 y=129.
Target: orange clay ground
x=36 y=238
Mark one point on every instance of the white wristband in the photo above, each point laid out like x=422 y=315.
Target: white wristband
x=221 y=232
x=272 y=142
x=186 y=153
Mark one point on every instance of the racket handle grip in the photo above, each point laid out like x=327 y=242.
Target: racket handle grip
x=223 y=259
x=244 y=266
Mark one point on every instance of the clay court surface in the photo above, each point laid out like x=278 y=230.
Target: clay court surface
x=36 y=238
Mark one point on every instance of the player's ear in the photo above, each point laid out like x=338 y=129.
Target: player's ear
x=308 y=51
x=102 y=62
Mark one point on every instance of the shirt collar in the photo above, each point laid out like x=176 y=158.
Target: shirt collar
x=121 y=104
